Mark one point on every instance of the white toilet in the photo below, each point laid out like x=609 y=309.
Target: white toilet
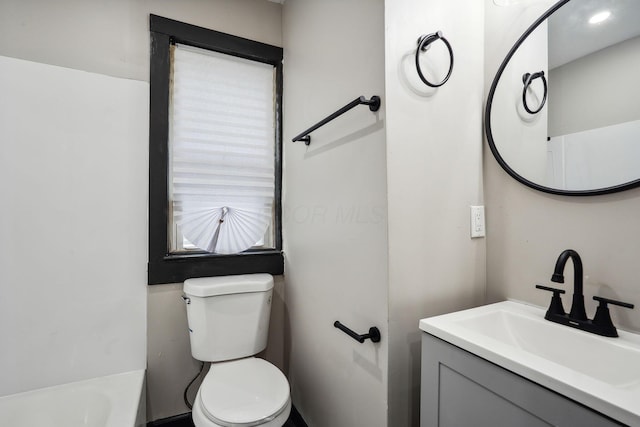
x=228 y=324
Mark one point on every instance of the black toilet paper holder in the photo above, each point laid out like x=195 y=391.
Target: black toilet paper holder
x=373 y=335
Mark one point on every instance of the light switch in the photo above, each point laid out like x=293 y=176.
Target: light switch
x=477 y=221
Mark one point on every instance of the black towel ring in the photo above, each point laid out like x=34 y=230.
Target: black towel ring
x=527 y=78
x=423 y=44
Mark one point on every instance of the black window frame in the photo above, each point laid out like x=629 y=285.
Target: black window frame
x=163 y=266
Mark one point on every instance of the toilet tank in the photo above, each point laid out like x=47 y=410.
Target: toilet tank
x=228 y=316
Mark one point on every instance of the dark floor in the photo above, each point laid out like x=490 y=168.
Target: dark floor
x=184 y=420
x=295 y=419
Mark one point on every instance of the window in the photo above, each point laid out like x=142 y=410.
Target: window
x=214 y=154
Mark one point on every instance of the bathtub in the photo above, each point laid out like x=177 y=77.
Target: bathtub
x=110 y=401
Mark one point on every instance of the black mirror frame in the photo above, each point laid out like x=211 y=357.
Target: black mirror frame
x=490 y=141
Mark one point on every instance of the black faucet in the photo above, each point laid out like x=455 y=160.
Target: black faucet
x=577 y=317
x=578 y=311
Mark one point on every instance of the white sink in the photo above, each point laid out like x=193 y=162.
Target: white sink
x=599 y=372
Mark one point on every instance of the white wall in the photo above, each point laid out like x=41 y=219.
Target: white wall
x=527 y=230
x=335 y=211
x=73 y=262
x=73 y=242
x=519 y=135
x=434 y=174
x=583 y=160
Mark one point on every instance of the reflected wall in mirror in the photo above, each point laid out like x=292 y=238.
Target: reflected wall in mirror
x=584 y=56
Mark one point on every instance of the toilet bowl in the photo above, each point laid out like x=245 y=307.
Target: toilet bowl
x=228 y=320
x=242 y=393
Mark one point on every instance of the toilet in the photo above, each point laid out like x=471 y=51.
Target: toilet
x=228 y=325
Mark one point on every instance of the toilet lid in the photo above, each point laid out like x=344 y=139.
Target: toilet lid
x=243 y=392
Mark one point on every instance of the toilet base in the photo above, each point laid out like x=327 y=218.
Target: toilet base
x=201 y=420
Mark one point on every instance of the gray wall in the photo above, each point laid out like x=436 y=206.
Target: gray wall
x=335 y=203
x=527 y=230
x=109 y=39
x=112 y=37
x=376 y=209
x=596 y=90
x=434 y=157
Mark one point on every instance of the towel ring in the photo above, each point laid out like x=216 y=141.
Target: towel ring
x=423 y=44
x=527 y=78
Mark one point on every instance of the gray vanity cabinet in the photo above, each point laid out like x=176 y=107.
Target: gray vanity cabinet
x=460 y=389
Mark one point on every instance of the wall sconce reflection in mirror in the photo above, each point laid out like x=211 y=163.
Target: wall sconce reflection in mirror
x=527 y=79
x=424 y=43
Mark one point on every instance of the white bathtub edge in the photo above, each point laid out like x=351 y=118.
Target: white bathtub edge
x=124 y=392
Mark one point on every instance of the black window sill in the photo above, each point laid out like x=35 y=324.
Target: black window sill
x=178 y=268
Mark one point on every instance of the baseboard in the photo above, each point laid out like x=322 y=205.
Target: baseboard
x=184 y=420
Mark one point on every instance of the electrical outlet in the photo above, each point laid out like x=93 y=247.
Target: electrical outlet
x=477 y=221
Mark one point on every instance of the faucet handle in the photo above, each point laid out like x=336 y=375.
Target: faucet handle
x=555 y=308
x=606 y=301
x=547 y=288
x=602 y=319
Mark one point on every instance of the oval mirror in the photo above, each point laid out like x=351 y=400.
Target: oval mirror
x=563 y=111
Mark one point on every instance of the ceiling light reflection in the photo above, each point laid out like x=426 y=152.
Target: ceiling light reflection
x=599 y=17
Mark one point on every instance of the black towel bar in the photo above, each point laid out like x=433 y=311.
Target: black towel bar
x=373 y=103
x=374 y=333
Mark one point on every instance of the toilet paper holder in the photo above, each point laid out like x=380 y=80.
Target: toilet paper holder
x=373 y=335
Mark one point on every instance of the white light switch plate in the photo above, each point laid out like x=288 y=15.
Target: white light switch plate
x=477 y=221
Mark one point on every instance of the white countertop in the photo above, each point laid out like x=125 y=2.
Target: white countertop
x=599 y=372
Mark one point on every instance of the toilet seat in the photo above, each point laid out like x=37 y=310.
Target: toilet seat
x=242 y=393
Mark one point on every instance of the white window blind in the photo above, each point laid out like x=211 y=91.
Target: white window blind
x=222 y=147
